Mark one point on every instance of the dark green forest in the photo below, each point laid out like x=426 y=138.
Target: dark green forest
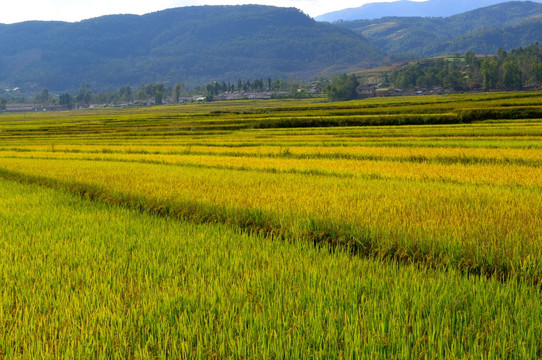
x=515 y=69
x=191 y=44
x=507 y=26
x=222 y=44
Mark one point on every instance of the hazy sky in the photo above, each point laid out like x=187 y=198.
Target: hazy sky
x=12 y=11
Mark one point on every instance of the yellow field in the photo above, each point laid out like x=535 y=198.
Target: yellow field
x=457 y=198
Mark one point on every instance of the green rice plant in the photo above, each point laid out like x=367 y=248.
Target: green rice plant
x=521 y=172
x=483 y=229
x=83 y=279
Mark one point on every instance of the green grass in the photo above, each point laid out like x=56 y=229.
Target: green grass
x=81 y=279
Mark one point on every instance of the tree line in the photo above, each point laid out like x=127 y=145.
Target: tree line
x=158 y=92
x=342 y=87
x=507 y=70
x=259 y=85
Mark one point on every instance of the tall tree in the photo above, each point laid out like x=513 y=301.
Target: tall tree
x=343 y=87
x=158 y=93
x=536 y=71
x=125 y=93
x=42 y=97
x=490 y=74
x=177 y=92
x=66 y=100
x=85 y=94
x=512 y=77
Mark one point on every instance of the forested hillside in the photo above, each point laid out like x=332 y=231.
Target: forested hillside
x=427 y=8
x=191 y=44
x=507 y=25
x=507 y=70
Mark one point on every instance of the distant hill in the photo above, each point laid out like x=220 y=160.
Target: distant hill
x=506 y=25
x=430 y=8
x=190 y=44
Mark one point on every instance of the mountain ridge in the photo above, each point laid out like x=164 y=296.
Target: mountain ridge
x=506 y=25
x=407 y=8
x=190 y=44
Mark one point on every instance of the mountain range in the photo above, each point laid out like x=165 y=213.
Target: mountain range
x=505 y=25
x=197 y=45
x=189 y=44
x=407 y=8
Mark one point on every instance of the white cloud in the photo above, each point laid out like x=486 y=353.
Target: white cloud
x=75 y=10
x=311 y=7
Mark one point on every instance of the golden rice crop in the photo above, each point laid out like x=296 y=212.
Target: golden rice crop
x=471 y=226
x=418 y=153
x=86 y=279
x=80 y=279
x=509 y=175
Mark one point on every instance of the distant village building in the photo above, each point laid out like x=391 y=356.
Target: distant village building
x=366 y=92
x=19 y=107
x=33 y=107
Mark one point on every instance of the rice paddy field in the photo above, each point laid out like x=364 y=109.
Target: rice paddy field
x=388 y=228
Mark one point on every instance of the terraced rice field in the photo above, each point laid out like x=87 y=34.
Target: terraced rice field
x=272 y=229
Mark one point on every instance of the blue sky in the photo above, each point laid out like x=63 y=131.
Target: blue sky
x=13 y=11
